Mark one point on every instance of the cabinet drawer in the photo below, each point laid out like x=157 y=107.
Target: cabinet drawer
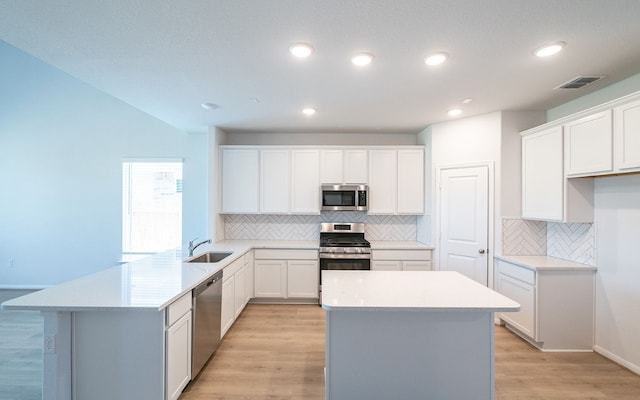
x=232 y=268
x=285 y=254
x=178 y=308
x=523 y=274
x=417 y=255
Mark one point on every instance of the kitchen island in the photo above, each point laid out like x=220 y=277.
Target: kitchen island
x=409 y=335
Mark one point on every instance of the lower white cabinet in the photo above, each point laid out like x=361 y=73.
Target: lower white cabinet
x=234 y=292
x=178 y=342
x=286 y=274
x=556 y=303
x=401 y=260
x=228 y=305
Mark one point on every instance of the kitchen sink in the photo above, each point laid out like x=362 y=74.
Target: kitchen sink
x=210 y=257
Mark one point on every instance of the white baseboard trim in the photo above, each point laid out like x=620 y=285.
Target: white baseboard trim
x=24 y=287
x=617 y=359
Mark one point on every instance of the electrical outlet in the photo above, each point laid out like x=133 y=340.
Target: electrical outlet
x=50 y=343
x=10 y=263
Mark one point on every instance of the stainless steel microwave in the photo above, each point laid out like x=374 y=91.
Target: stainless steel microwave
x=344 y=197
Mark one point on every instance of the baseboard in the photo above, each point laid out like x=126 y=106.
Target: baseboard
x=617 y=359
x=24 y=287
x=264 y=300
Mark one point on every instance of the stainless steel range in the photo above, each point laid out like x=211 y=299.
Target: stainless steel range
x=343 y=247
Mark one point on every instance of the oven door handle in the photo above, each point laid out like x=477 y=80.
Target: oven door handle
x=352 y=256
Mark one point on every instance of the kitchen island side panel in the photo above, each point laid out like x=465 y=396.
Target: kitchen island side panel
x=410 y=355
x=118 y=355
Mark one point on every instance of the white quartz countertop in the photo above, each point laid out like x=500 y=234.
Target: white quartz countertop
x=409 y=291
x=151 y=283
x=399 y=245
x=546 y=263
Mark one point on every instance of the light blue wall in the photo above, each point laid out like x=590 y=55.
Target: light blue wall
x=61 y=147
x=608 y=93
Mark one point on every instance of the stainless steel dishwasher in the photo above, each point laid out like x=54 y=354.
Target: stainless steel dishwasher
x=207 y=304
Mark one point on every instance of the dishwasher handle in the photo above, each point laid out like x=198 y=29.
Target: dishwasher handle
x=206 y=284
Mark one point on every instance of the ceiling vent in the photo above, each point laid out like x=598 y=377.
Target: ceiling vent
x=579 y=82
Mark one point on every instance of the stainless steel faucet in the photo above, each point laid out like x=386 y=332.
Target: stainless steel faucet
x=192 y=247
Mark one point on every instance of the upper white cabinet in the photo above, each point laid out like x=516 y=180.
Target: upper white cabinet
x=627 y=137
x=542 y=175
x=274 y=181
x=396 y=181
x=305 y=182
x=240 y=181
x=589 y=145
x=287 y=180
x=411 y=181
x=270 y=180
x=546 y=193
x=383 y=173
x=343 y=166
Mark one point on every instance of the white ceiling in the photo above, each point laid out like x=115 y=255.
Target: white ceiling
x=166 y=57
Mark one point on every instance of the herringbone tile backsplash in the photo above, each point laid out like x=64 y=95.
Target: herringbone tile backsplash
x=307 y=227
x=574 y=242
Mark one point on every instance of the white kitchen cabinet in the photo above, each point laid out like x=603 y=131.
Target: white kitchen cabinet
x=240 y=181
x=302 y=279
x=343 y=166
x=400 y=260
x=274 y=181
x=383 y=175
x=410 y=182
x=523 y=292
x=556 y=302
x=396 y=181
x=305 y=182
x=234 y=292
x=355 y=166
x=270 y=278
x=627 y=137
x=589 y=145
x=286 y=274
x=228 y=313
x=178 y=342
x=386 y=265
x=542 y=175
x=240 y=288
x=546 y=193
x=249 y=275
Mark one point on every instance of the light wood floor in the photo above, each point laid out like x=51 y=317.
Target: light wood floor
x=277 y=352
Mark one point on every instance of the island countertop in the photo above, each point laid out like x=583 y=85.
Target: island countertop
x=409 y=291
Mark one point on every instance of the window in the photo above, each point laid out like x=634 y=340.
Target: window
x=151 y=206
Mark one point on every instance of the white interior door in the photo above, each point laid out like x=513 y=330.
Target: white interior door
x=464 y=218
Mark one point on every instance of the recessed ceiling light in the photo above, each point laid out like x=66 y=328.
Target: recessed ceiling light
x=301 y=50
x=549 y=49
x=467 y=101
x=309 y=111
x=454 y=112
x=361 y=59
x=436 y=58
x=210 y=106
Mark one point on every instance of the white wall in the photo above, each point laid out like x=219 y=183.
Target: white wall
x=62 y=145
x=617 y=220
x=298 y=138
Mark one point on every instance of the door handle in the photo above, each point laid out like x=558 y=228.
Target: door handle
x=481 y=251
